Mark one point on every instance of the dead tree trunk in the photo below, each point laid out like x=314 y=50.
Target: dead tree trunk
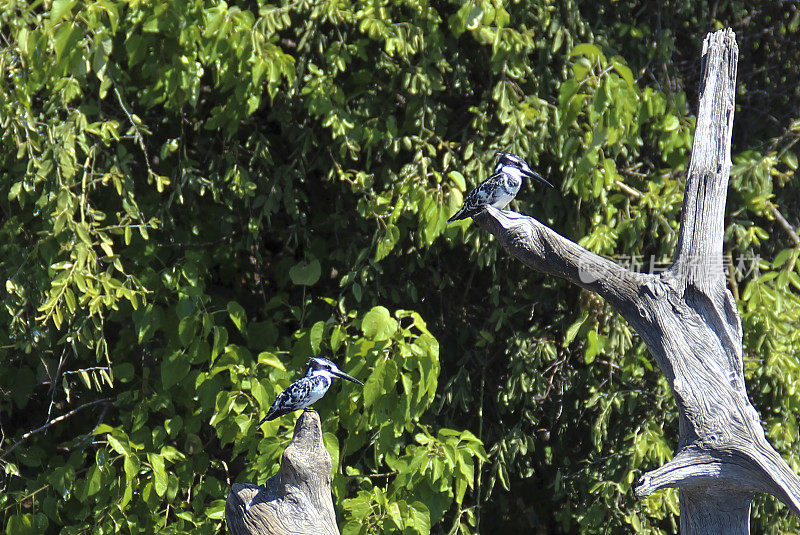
x=689 y=321
x=296 y=500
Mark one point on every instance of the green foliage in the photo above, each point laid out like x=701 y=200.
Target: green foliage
x=197 y=196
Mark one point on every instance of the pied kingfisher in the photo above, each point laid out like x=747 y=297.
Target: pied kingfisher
x=308 y=389
x=500 y=188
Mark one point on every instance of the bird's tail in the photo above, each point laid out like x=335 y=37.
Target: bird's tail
x=458 y=215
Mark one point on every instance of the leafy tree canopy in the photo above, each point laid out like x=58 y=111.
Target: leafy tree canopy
x=197 y=196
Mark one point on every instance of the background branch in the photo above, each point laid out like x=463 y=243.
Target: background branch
x=52 y=422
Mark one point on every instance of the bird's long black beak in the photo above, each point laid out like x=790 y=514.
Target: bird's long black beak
x=345 y=376
x=530 y=173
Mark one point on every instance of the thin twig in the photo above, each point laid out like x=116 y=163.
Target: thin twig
x=187 y=245
x=629 y=190
x=54 y=384
x=139 y=136
x=52 y=422
x=91 y=369
x=386 y=474
x=85 y=437
x=785 y=224
x=468 y=285
x=479 y=479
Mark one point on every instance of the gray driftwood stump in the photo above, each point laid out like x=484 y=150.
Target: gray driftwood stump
x=689 y=321
x=296 y=500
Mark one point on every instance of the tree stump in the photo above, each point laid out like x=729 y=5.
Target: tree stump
x=296 y=500
x=689 y=321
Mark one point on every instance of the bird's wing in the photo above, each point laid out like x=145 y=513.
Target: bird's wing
x=289 y=400
x=479 y=197
x=483 y=194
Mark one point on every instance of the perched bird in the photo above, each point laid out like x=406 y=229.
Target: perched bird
x=308 y=389
x=500 y=188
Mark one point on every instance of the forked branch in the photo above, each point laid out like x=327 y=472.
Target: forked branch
x=690 y=323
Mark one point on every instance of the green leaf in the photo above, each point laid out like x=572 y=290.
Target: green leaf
x=595 y=344
x=338 y=336
x=332 y=445
x=359 y=508
x=93 y=480
x=789 y=158
x=573 y=329
x=393 y=510
x=421 y=517
x=126 y=496
x=102 y=429
x=174 y=369
x=237 y=314
x=187 y=330
x=315 y=335
x=474 y=18
x=373 y=387
x=670 y=123
x=270 y=359
x=159 y=473
x=781 y=258
x=260 y=393
x=589 y=50
x=15 y=190
x=304 y=274
x=82 y=229
x=66 y=36
x=103 y=45
x=378 y=324
x=131 y=467
x=216 y=511
x=173 y=426
x=118 y=445
x=387 y=243
x=123 y=371
x=220 y=341
x=21 y=524
x=458 y=179
x=623 y=71
x=60 y=9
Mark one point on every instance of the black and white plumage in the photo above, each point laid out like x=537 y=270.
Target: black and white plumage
x=499 y=189
x=308 y=389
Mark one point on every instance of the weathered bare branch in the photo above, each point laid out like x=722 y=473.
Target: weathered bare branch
x=296 y=500
x=699 y=253
x=542 y=248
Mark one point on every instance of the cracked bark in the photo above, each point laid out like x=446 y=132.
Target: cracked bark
x=688 y=319
x=296 y=500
